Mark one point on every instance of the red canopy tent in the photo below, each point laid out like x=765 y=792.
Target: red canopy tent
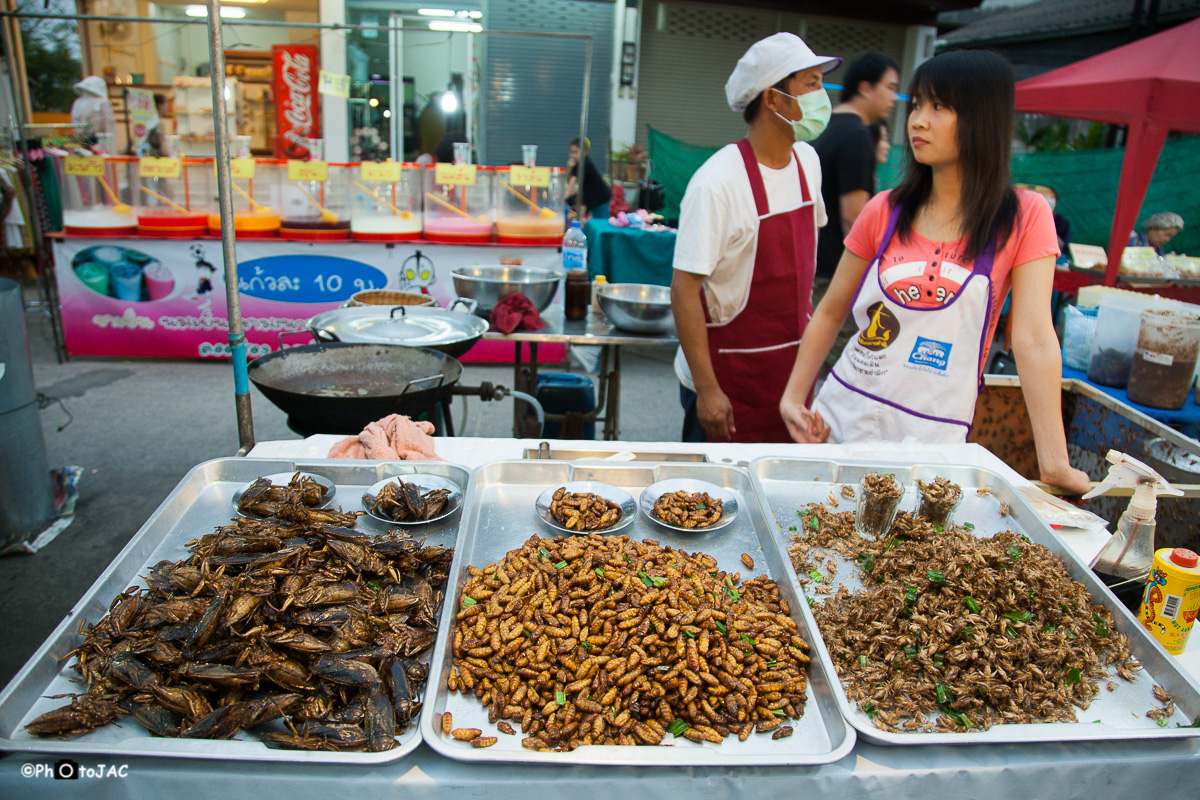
x=1152 y=85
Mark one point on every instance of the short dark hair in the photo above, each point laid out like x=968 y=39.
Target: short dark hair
x=751 y=110
x=869 y=68
x=978 y=86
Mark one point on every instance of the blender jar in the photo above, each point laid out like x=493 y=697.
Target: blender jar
x=317 y=209
x=255 y=199
x=530 y=213
x=459 y=213
x=386 y=210
x=174 y=202
x=100 y=204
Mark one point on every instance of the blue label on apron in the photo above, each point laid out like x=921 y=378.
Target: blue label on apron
x=930 y=353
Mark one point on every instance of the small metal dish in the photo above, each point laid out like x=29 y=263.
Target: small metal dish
x=729 y=502
x=427 y=482
x=283 y=479
x=607 y=491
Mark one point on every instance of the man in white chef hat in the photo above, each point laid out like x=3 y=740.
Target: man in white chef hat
x=745 y=253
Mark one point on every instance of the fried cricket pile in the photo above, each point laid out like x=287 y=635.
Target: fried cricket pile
x=602 y=640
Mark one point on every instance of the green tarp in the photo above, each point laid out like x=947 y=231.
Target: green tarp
x=1086 y=181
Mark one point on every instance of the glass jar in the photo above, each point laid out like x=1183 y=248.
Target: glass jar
x=577 y=300
x=878 y=503
x=937 y=501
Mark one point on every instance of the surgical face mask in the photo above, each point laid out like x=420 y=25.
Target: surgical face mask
x=1052 y=202
x=816 y=109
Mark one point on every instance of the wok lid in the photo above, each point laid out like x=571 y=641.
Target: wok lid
x=410 y=326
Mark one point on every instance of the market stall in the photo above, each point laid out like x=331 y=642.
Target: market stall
x=1069 y=764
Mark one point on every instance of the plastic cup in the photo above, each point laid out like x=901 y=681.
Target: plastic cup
x=529 y=154
x=239 y=147
x=126 y=281
x=462 y=152
x=94 y=276
x=316 y=149
x=159 y=280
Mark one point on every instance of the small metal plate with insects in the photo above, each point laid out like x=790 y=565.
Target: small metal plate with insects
x=622 y=498
x=651 y=494
x=279 y=480
x=417 y=499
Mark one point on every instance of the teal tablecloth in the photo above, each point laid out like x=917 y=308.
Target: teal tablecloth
x=629 y=255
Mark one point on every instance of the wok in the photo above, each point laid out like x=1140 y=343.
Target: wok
x=340 y=387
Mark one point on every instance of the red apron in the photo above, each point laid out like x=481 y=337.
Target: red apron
x=753 y=353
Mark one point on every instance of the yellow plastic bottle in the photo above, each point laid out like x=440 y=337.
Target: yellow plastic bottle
x=597 y=282
x=1172 y=597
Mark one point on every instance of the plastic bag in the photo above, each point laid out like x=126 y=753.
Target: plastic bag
x=1079 y=328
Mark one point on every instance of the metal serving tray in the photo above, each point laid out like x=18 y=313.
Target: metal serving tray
x=500 y=517
x=787 y=485
x=198 y=505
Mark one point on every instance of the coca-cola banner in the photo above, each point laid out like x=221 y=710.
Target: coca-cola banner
x=297 y=111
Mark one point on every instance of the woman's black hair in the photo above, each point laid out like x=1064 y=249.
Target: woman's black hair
x=978 y=86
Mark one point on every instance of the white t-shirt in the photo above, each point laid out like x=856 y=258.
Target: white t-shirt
x=718 y=226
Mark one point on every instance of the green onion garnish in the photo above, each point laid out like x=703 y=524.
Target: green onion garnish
x=720 y=626
x=862 y=661
x=1010 y=631
x=645 y=579
x=689 y=634
x=869 y=710
x=1015 y=617
x=658 y=582
x=746 y=638
x=910 y=594
x=910 y=651
x=560 y=698
x=1013 y=553
x=374 y=586
x=779 y=712
x=938 y=658
x=561 y=565
x=968 y=526
x=586 y=644
x=468 y=602
x=972 y=606
x=599 y=572
x=543 y=553
x=943 y=693
x=816 y=575
x=677 y=727
x=1074 y=675
x=936 y=576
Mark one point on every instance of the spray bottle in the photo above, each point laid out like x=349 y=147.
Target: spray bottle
x=1129 y=554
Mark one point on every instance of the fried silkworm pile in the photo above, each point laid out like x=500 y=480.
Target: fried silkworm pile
x=263 y=499
x=937 y=500
x=602 y=640
x=308 y=626
x=956 y=632
x=878 y=498
x=688 y=509
x=580 y=511
x=407 y=502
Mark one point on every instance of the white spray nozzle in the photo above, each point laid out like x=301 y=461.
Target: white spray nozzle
x=1130 y=473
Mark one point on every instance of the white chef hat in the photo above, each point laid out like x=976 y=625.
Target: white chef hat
x=769 y=61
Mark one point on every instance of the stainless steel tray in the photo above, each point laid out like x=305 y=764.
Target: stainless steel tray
x=199 y=504
x=500 y=517
x=544 y=452
x=787 y=485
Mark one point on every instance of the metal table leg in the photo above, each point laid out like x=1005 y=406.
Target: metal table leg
x=612 y=392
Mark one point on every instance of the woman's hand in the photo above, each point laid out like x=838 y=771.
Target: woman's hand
x=1072 y=481
x=714 y=412
x=804 y=425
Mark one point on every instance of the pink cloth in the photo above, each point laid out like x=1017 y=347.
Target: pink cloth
x=516 y=312
x=393 y=438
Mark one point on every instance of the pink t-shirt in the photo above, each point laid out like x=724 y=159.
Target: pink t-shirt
x=922 y=272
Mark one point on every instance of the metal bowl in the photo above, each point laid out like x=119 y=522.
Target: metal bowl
x=490 y=284
x=637 y=307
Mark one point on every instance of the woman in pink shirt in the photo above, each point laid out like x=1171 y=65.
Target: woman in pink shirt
x=925 y=271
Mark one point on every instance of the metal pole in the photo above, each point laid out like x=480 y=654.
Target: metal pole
x=583 y=118
x=237 y=339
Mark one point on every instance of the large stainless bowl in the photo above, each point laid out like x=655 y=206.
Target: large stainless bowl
x=490 y=284
x=636 y=307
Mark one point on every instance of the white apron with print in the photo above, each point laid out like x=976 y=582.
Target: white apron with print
x=910 y=372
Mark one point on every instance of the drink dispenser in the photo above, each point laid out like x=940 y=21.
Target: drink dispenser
x=255 y=198
x=458 y=203
x=385 y=202
x=99 y=195
x=529 y=205
x=316 y=201
x=175 y=196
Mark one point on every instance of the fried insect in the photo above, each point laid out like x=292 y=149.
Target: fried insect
x=407 y=502
x=602 y=640
x=262 y=498
x=685 y=509
x=583 y=511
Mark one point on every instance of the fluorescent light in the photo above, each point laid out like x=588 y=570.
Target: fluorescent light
x=243 y=1
x=227 y=13
x=374 y=101
x=449 y=102
x=472 y=14
x=457 y=27
x=435 y=12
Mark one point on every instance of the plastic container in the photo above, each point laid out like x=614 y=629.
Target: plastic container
x=387 y=211
x=878 y=503
x=574 y=248
x=459 y=213
x=101 y=206
x=560 y=392
x=258 y=219
x=1079 y=329
x=1117 y=323
x=599 y=281
x=1172 y=598
x=529 y=214
x=318 y=211
x=1164 y=362
x=177 y=208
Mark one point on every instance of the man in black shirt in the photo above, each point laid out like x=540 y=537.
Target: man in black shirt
x=847 y=151
x=596 y=193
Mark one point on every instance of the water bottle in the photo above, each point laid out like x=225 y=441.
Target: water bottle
x=574 y=248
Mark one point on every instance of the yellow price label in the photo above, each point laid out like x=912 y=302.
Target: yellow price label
x=455 y=174
x=380 y=171
x=159 y=167
x=308 y=171
x=84 y=166
x=241 y=169
x=333 y=83
x=529 y=176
